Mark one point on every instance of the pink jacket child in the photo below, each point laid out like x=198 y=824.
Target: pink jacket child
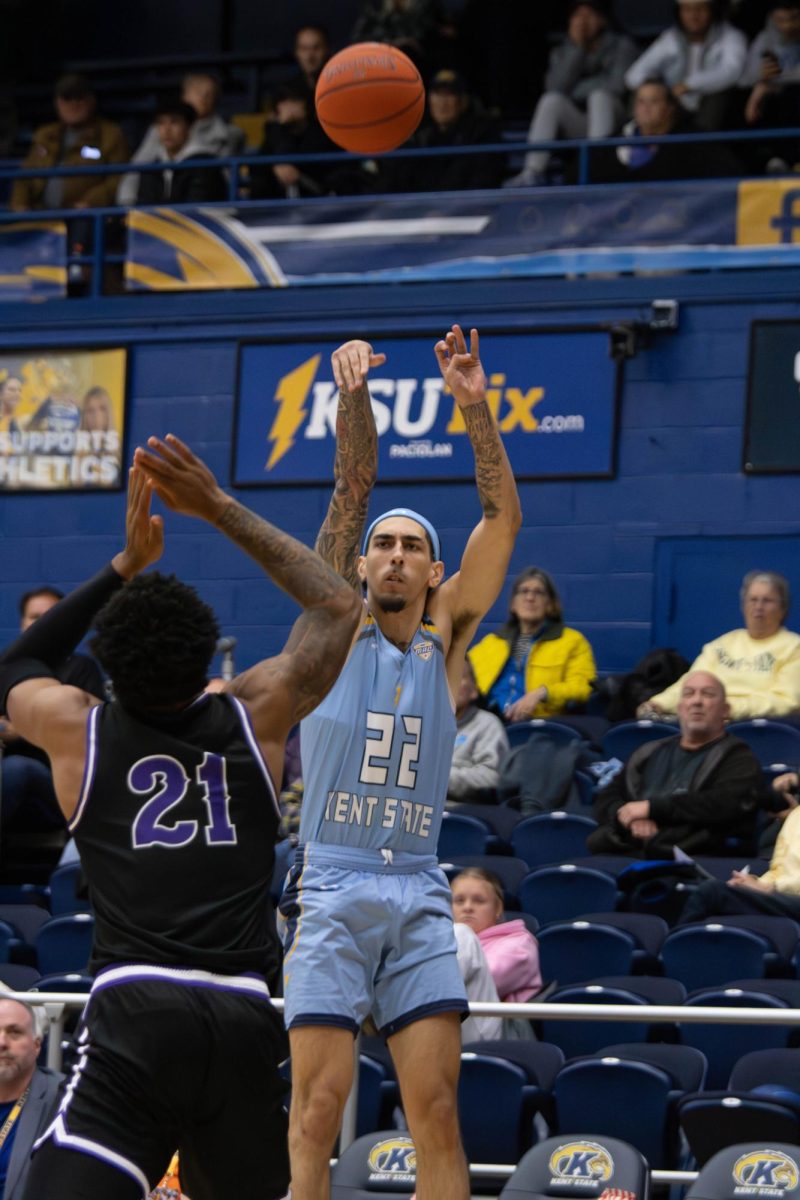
x=513 y=956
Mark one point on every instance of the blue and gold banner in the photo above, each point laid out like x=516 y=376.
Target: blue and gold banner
x=553 y=396
x=467 y=235
x=33 y=260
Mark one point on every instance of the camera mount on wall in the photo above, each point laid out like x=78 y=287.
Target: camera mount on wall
x=627 y=338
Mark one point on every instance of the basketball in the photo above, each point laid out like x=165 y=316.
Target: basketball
x=370 y=98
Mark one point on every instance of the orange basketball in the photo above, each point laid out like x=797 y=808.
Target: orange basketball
x=370 y=98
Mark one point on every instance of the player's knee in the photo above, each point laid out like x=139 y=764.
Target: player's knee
x=435 y=1116
x=317 y=1111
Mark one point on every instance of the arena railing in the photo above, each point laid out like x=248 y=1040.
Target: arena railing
x=233 y=165
x=60 y=1002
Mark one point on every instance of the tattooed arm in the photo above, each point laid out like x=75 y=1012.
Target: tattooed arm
x=356 y=465
x=470 y=593
x=281 y=690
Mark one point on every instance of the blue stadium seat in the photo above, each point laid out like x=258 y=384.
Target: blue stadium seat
x=724 y=1045
x=782 y=933
x=557 y=1167
x=764 y=1167
x=576 y=951
x=461 y=835
x=621 y=740
x=710 y=1121
x=496 y=1107
x=381 y=1163
x=67 y=981
x=554 y=837
x=561 y=893
x=686 y=1065
x=64 y=884
x=575 y=1038
x=555 y=730
x=65 y=943
x=647 y=930
x=18 y=976
x=617 y=1098
x=709 y=954
x=770 y=741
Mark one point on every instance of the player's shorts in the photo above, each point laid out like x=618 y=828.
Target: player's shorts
x=172 y=1060
x=368 y=933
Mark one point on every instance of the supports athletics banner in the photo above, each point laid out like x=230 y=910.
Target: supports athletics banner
x=553 y=395
x=466 y=235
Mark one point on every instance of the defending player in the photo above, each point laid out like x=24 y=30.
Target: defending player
x=369 y=926
x=170 y=795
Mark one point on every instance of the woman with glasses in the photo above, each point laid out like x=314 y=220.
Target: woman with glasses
x=535 y=666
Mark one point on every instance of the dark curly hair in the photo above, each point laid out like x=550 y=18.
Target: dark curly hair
x=155 y=639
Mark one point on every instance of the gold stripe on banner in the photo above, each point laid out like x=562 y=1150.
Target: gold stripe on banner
x=204 y=259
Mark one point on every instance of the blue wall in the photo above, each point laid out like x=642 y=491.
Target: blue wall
x=679 y=449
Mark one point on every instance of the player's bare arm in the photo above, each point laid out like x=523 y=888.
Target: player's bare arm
x=45 y=711
x=469 y=594
x=279 y=691
x=356 y=465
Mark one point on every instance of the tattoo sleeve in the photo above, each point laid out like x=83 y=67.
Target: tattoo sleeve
x=295 y=568
x=492 y=469
x=355 y=471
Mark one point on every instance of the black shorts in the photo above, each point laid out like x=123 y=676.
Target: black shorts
x=166 y=1066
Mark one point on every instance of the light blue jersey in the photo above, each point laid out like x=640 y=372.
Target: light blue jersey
x=376 y=753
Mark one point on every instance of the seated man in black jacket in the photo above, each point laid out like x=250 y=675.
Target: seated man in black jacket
x=454 y=119
x=174 y=119
x=699 y=790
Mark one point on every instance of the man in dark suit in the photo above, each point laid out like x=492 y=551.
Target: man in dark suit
x=27 y=1095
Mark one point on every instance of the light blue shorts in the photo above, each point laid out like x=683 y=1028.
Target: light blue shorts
x=367 y=936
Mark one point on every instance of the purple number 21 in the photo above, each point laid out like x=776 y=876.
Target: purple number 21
x=169 y=778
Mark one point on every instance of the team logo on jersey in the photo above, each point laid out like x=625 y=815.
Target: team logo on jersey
x=580 y=1163
x=423 y=650
x=394 y=1159
x=765 y=1173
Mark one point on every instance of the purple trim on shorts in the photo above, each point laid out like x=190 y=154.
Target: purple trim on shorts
x=89 y=766
x=424 y=1010
x=69 y=1141
x=184 y=976
x=324 y=1019
x=252 y=741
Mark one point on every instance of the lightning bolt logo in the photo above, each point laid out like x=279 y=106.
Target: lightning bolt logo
x=291 y=394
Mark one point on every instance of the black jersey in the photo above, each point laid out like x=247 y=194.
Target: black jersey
x=176 y=826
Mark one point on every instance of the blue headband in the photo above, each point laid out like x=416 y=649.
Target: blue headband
x=413 y=516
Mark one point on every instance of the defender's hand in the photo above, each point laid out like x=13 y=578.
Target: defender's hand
x=144 y=533
x=461 y=368
x=181 y=479
x=351 y=364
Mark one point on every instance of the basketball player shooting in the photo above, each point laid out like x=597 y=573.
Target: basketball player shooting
x=170 y=795
x=369 y=925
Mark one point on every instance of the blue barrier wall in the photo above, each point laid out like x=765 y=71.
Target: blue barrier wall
x=679 y=450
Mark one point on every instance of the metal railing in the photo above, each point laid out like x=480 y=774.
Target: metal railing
x=60 y=1002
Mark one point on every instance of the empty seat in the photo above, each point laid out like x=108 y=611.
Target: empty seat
x=770 y=741
x=724 y=1044
x=560 y=893
x=708 y=954
x=647 y=930
x=582 y=1037
x=750 y=1168
x=621 y=740
x=496 y=1105
x=65 y=943
x=559 y=1166
x=461 y=835
x=65 y=884
x=554 y=837
x=576 y=951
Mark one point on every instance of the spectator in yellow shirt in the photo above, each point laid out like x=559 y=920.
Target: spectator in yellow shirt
x=759 y=665
x=535 y=665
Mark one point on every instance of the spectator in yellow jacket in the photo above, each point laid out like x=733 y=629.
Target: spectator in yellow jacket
x=759 y=665
x=79 y=138
x=535 y=665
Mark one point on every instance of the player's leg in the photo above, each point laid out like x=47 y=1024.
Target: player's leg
x=322 y=1075
x=427 y=1057
x=58 y=1173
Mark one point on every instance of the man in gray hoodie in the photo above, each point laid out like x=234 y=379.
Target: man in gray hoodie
x=584 y=86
